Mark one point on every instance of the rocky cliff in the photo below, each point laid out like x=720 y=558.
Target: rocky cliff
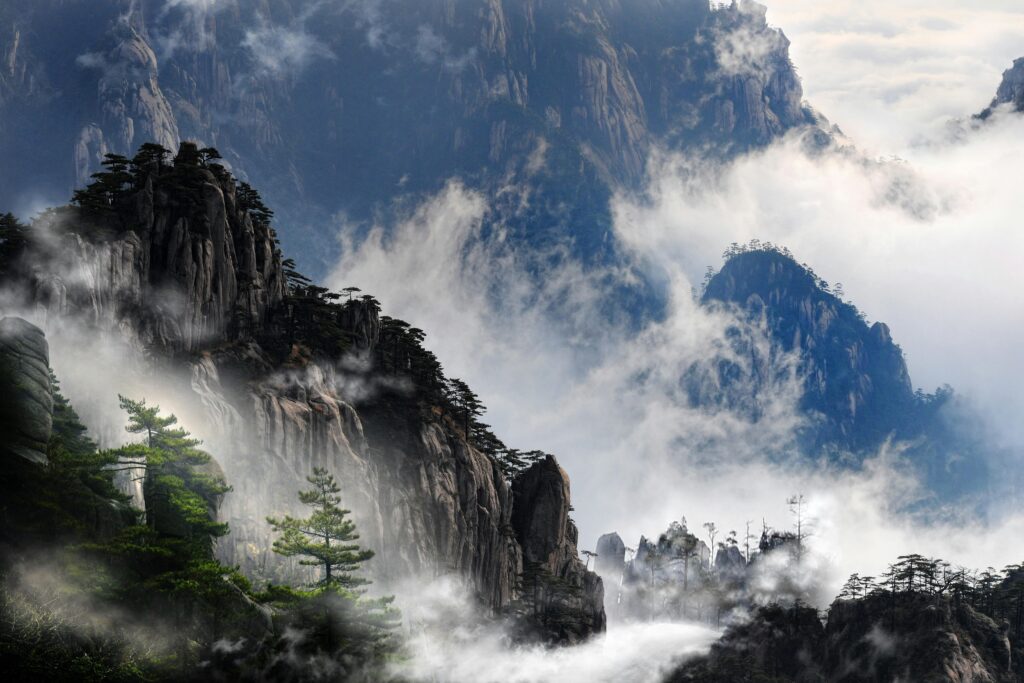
x=180 y=262
x=26 y=409
x=855 y=376
x=559 y=101
x=548 y=538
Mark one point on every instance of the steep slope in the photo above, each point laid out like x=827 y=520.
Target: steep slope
x=856 y=389
x=26 y=409
x=855 y=375
x=339 y=107
x=178 y=262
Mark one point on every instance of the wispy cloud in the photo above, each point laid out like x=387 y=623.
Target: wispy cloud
x=280 y=51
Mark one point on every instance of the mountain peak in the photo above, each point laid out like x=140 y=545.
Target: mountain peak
x=1010 y=92
x=855 y=376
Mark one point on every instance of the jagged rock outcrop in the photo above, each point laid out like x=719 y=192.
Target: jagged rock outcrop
x=185 y=268
x=548 y=537
x=729 y=562
x=181 y=276
x=1010 y=92
x=909 y=637
x=26 y=406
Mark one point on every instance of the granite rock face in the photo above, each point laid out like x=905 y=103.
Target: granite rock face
x=181 y=275
x=611 y=555
x=548 y=537
x=854 y=376
x=563 y=99
x=855 y=390
x=26 y=409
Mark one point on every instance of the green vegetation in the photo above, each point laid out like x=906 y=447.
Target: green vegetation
x=338 y=621
x=998 y=594
x=107 y=592
x=101 y=595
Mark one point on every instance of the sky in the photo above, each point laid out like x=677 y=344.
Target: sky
x=916 y=218
x=891 y=72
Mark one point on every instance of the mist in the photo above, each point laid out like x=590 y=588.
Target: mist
x=925 y=243
x=477 y=650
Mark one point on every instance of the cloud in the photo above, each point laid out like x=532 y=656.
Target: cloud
x=449 y=641
x=185 y=25
x=431 y=48
x=369 y=16
x=926 y=244
x=747 y=49
x=889 y=73
x=280 y=51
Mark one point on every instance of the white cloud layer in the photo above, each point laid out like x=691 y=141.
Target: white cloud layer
x=449 y=642
x=888 y=72
x=928 y=245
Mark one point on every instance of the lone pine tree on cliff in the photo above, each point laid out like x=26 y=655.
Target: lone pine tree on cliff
x=326 y=538
x=339 y=620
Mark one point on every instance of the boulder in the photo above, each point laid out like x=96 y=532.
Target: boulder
x=26 y=405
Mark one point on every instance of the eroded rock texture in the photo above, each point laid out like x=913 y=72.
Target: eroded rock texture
x=26 y=405
x=562 y=100
x=908 y=637
x=540 y=518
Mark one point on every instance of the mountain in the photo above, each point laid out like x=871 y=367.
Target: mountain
x=340 y=108
x=175 y=263
x=1010 y=92
x=856 y=392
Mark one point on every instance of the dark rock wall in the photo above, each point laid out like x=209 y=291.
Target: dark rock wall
x=548 y=537
x=26 y=399
x=874 y=639
x=1010 y=92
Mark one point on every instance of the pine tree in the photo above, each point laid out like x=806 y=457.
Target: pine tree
x=14 y=237
x=350 y=628
x=326 y=538
x=181 y=485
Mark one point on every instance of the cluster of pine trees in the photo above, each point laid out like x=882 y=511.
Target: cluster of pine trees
x=999 y=594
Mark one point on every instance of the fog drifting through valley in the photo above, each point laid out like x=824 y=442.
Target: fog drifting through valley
x=450 y=642
x=925 y=243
